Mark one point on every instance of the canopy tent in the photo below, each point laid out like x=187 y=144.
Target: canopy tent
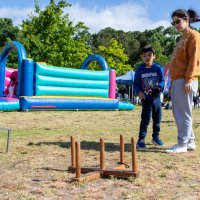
x=127 y=79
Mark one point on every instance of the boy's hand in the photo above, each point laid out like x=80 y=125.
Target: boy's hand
x=156 y=92
x=141 y=95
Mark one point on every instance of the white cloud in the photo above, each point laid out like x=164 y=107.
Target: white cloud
x=126 y=16
x=15 y=13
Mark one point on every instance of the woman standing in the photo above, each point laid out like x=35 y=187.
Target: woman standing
x=184 y=70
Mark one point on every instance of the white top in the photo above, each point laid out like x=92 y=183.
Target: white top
x=11 y=90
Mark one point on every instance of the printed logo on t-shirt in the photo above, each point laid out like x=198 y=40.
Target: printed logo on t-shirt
x=149 y=82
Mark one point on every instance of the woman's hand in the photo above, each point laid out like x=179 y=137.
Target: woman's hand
x=187 y=88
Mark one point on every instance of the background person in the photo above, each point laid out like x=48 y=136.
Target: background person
x=11 y=87
x=195 y=100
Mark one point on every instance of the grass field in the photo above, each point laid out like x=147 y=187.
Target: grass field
x=36 y=166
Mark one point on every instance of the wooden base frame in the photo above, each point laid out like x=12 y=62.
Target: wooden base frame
x=91 y=173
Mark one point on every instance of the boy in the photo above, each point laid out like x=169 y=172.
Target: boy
x=148 y=83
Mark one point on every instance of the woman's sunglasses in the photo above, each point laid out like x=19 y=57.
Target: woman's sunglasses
x=176 y=22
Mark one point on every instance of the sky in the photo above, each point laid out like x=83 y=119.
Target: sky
x=126 y=15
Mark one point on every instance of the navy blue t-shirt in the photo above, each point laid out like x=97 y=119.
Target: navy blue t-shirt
x=146 y=79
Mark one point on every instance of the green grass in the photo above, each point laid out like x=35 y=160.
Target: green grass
x=36 y=166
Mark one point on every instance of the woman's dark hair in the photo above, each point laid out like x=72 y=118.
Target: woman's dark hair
x=190 y=13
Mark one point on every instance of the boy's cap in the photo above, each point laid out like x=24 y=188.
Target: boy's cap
x=147 y=48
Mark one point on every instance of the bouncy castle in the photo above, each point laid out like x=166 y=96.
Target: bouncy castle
x=36 y=86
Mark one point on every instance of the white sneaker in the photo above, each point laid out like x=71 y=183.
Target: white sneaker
x=177 y=149
x=191 y=146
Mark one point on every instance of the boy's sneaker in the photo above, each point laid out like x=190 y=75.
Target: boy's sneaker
x=141 y=144
x=158 y=142
x=177 y=149
x=191 y=146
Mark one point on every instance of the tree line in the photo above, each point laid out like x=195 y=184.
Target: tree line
x=50 y=36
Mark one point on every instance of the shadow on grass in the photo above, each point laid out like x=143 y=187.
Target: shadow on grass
x=85 y=145
x=154 y=149
x=167 y=121
x=109 y=147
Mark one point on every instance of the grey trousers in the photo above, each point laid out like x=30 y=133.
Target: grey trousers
x=182 y=110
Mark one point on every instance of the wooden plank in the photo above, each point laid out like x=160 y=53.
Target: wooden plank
x=92 y=169
x=119 y=173
x=88 y=177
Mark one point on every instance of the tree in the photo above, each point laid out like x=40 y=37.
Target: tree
x=51 y=37
x=8 y=32
x=160 y=40
x=102 y=38
x=128 y=40
x=115 y=56
x=172 y=36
